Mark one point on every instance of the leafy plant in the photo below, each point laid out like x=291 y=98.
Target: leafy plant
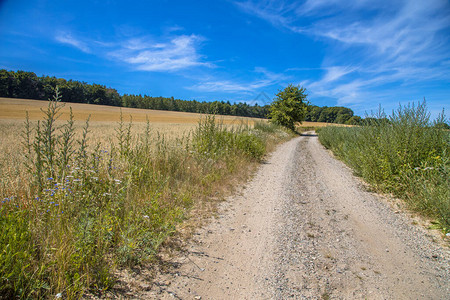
x=289 y=106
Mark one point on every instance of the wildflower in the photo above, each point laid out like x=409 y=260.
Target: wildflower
x=146 y=217
x=50 y=178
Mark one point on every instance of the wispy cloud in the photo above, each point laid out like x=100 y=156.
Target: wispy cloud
x=264 y=79
x=370 y=43
x=278 y=13
x=67 y=38
x=179 y=52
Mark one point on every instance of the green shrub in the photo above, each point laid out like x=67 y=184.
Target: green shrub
x=213 y=140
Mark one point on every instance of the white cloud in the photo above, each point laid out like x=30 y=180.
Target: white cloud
x=221 y=85
x=274 y=12
x=67 y=38
x=266 y=79
x=178 y=53
x=335 y=73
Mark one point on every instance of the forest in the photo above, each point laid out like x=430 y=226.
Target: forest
x=27 y=85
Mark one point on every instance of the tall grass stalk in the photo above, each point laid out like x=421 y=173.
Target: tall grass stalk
x=405 y=154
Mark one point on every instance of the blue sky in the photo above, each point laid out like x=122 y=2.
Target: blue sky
x=354 y=53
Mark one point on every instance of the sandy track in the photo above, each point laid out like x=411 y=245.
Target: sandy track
x=305 y=228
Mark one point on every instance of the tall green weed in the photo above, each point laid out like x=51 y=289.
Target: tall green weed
x=404 y=154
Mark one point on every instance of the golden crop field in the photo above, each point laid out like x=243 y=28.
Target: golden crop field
x=14 y=109
x=103 y=120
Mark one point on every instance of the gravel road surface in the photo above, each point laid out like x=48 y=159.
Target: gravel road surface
x=305 y=228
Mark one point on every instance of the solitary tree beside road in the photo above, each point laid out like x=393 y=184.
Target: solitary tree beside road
x=289 y=106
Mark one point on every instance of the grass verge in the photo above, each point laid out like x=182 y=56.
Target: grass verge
x=404 y=154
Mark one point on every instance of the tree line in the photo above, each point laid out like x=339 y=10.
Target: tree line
x=335 y=114
x=27 y=85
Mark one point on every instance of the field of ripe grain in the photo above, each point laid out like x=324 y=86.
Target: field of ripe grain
x=15 y=109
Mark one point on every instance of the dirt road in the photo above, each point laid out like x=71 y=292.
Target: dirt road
x=305 y=228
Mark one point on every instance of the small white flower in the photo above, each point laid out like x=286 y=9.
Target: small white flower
x=146 y=217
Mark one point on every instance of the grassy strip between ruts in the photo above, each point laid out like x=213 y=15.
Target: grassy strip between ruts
x=90 y=209
x=404 y=154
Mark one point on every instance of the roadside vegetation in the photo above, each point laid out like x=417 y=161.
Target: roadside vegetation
x=88 y=209
x=405 y=154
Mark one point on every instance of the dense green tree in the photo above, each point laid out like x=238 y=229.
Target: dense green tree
x=289 y=106
x=355 y=120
